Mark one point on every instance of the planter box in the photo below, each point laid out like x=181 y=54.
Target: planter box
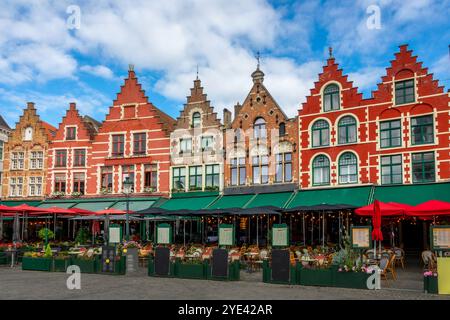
x=37 y=264
x=190 y=270
x=234 y=272
x=86 y=265
x=60 y=265
x=151 y=268
x=356 y=280
x=4 y=259
x=430 y=285
x=316 y=277
x=121 y=266
x=267 y=274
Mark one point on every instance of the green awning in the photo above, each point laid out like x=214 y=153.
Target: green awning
x=94 y=205
x=64 y=205
x=190 y=203
x=194 y=194
x=232 y=201
x=413 y=194
x=135 y=205
x=354 y=196
x=13 y=203
x=277 y=199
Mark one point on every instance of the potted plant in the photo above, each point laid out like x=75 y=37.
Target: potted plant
x=430 y=282
x=76 y=194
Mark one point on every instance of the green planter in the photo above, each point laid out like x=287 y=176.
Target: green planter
x=86 y=265
x=121 y=266
x=267 y=274
x=190 y=270
x=4 y=259
x=356 y=280
x=316 y=277
x=60 y=265
x=37 y=264
x=430 y=285
x=151 y=268
x=234 y=272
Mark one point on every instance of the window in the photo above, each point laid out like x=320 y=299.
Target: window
x=260 y=166
x=139 y=143
x=186 y=145
x=107 y=178
x=283 y=167
x=238 y=171
x=423 y=167
x=320 y=134
x=17 y=160
x=331 y=98
x=118 y=144
x=207 y=143
x=321 y=171
x=35 y=186
x=347 y=130
x=36 y=160
x=15 y=186
x=212 y=176
x=71 y=133
x=60 y=182
x=196 y=120
x=60 y=158
x=79 y=158
x=348 y=168
x=1 y=150
x=150 y=177
x=390 y=134
x=78 y=182
x=391 y=169
x=179 y=178
x=422 y=130
x=195 y=178
x=282 y=130
x=259 y=129
x=404 y=91
x=128 y=172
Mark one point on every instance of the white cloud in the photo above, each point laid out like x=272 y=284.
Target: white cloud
x=367 y=78
x=99 y=71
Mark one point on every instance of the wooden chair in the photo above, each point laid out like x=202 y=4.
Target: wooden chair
x=428 y=259
x=391 y=267
x=384 y=264
x=400 y=257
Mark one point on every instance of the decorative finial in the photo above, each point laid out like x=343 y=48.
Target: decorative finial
x=197 y=71
x=330 y=52
x=258 y=58
x=131 y=67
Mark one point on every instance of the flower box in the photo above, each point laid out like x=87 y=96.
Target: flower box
x=151 y=268
x=4 y=259
x=86 y=265
x=267 y=274
x=60 y=265
x=234 y=272
x=37 y=264
x=355 y=280
x=121 y=266
x=430 y=284
x=190 y=270
x=316 y=277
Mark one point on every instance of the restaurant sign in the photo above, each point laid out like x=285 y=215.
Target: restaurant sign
x=164 y=234
x=440 y=237
x=361 y=237
x=280 y=235
x=226 y=235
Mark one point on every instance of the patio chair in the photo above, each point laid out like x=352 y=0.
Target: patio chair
x=384 y=264
x=400 y=257
x=428 y=259
x=391 y=267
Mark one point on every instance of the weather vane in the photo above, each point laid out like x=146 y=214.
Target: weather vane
x=197 y=71
x=330 y=51
x=258 y=58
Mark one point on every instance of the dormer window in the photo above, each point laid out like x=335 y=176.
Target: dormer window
x=331 y=98
x=71 y=133
x=196 y=120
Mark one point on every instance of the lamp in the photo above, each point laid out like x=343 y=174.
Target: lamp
x=127 y=190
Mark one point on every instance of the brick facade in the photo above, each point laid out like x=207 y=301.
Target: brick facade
x=384 y=128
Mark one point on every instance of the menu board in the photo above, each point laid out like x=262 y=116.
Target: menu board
x=280 y=237
x=361 y=237
x=115 y=234
x=164 y=234
x=440 y=237
x=226 y=235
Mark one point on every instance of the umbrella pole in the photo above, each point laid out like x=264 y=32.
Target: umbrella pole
x=323 y=229
x=249 y=225
x=257 y=233
x=304 y=229
x=184 y=232
x=312 y=228
x=1 y=226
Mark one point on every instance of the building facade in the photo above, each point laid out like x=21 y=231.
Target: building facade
x=5 y=130
x=133 y=142
x=197 y=146
x=70 y=155
x=25 y=157
x=398 y=136
x=261 y=143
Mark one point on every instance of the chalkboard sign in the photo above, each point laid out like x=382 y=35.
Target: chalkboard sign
x=280 y=265
x=162 y=261
x=164 y=234
x=440 y=237
x=108 y=258
x=280 y=236
x=361 y=237
x=219 y=263
x=226 y=235
x=132 y=260
x=114 y=234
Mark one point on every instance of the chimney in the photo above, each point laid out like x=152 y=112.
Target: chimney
x=237 y=109
x=226 y=117
x=30 y=105
x=73 y=106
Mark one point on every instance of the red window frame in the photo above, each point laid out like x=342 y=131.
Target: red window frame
x=71 y=133
x=79 y=184
x=60 y=184
x=79 y=158
x=139 y=143
x=107 y=178
x=150 y=176
x=118 y=145
x=61 y=158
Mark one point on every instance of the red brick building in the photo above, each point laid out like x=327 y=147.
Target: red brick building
x=398 y=136
x=70 y=154
x=133 y=141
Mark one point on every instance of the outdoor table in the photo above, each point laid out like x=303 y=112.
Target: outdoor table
x=251 y=263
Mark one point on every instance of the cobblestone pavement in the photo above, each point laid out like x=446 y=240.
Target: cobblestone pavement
x=18 y=284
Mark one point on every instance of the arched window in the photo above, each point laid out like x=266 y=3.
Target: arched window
x=331 y=98
x=347 y=130
x=259 y=128
x=320 y=134
x=348 y=168
x=196 y=120
x=321 y=171
x=282 y=130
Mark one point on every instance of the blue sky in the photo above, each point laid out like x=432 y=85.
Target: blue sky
x=44 y=61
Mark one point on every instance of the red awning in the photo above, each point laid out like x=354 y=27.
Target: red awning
x=430 y=208
x=387 y=209
x=112 y=211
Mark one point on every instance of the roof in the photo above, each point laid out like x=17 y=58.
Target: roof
x=167 y=121
x=49 y=129
x=91 y=125
x=4 y=124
